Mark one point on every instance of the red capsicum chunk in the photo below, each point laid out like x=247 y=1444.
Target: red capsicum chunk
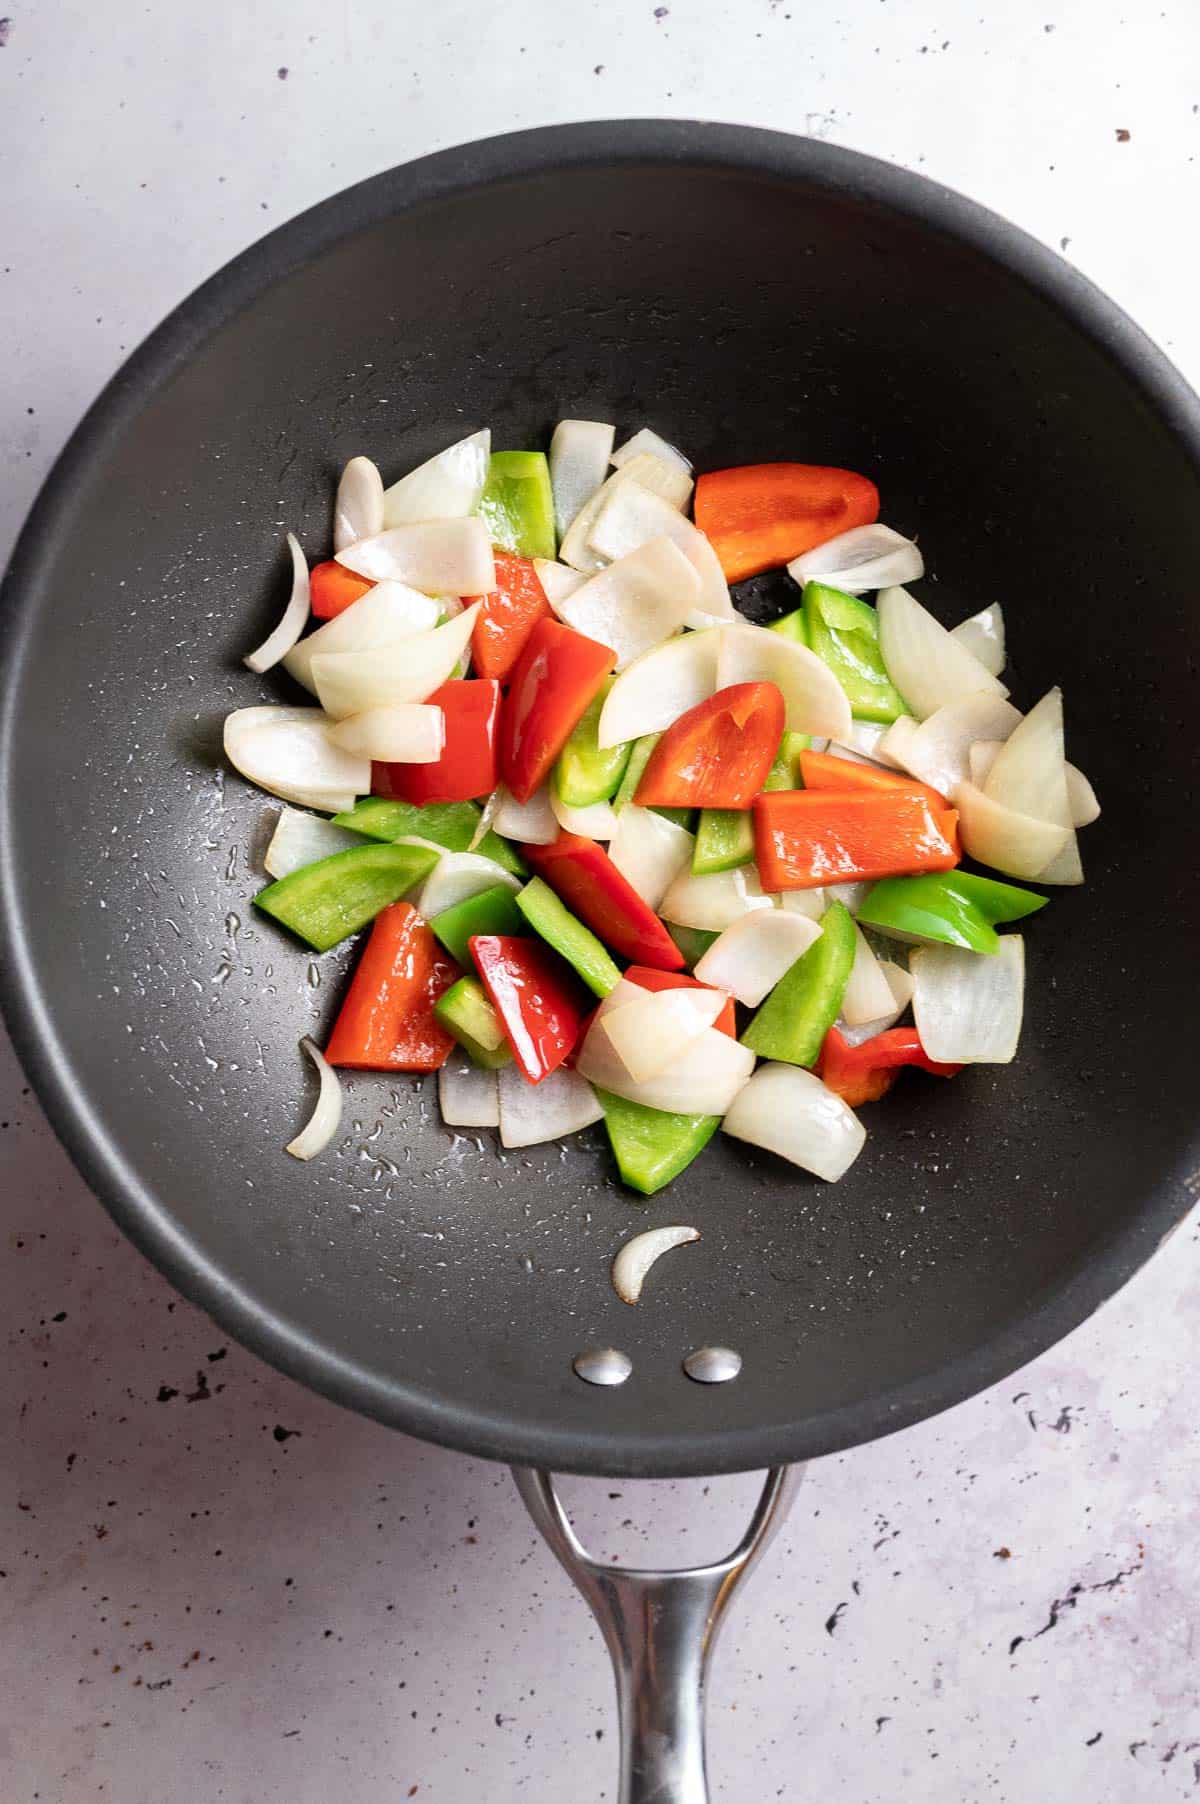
x=386 y=1022
x=719 y=753
x=590 y=884
x=821 y=770
x=553 y=681
x=536 y=996
x=807 y=837
x=332 y=589
x=467 y=766
x=864 y=1073
x=648 y=979
x=507 y=616
x=762 y=515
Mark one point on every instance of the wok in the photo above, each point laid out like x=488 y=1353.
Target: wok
x=753 y=296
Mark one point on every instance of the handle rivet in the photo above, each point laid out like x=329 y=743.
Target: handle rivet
x=602 y=1365
x=713 y=1365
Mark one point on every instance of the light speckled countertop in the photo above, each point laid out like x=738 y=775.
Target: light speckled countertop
x=214 y=1586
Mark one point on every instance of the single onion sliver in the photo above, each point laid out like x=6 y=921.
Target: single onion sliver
x=385 y=614
x=468 y=1095
x=579 y=454
x=350 y=682
x=650 y=852
x=287 y=751
x=447 y=487
x=927 y=664
x=866 y=557
x=814 y=699
x=558 y=581
x=937 y=750
x=451 y=557
x=594 y=820
x=868 y=994
x=648 y=443
x=1016 y=844
x=715 y=900
x=326 y=1118
x=636 y=602
x=635 y=1258
x=983 y=636
x=749 y=957
x=653 y=691
x=789 y=1111
x=656 y=1028
x=397 y=733
x=277 y=644
x=968 y=1008
x=358 y=509
x=458 y=876
x=900 y=984
x=301 y=839
x=560 y=1104
x=532 y=821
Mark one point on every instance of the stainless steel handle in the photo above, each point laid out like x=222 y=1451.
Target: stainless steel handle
x=659 y=1628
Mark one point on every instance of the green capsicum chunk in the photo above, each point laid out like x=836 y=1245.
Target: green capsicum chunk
x=844 y=633
x=693 y=942
x=724 y=840
x=585 y=774
x=332 y=898
x=449 y=824
x=639 y=758
x=950 y=908
x=652 y=1146
x=465 y=1011
x=803 y=1006
x=518 y=503
x=792 y=626
x=491 y=911
x=550 y=918
x=785 y=772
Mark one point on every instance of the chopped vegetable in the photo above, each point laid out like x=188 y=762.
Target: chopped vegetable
x=814 y=699
x=649 y=851
x=646 y=443
x=983 y=636
x=792 y=626
x=715 y=900
x=383 y=614
x=954 y=908
x=786 y=773
x=938 y=751
x=803 y=1006
x=439 y=557
x=1029 y=774
x=331 y=899
x=792 y=1113
x=468 y=1096
x=652 y=1031
x=596 y=820
x=287 y=751
x=560 y=1104
x=584 y=773
x=533 y=821
x=358 y=505
x=458 y=876
x=703 y=1081
x=326 y=1117
x=536 y=997
x=556 y=677
x=466 y=766
x=1016 y=844
x=724 y=840
x=824 y=771
x=589 y=882
x=333 y=588
x=761 y=516
x=387 y=1020
x=636 y=602
x=868 y=995
x=301 y=839
x=446 y=487
x=517 y=504
x=634 y=516
x=507 y=616
x=579 y=454
x=806 y=837
x=652 y=1146
x=408 y=670
x=968 y=1010
x=449 y=824
x=866 y=557
x=647 y=978
x=658 y=687
x=404 y=734
x=928 y=665
x=558 y=580
x=467 y=1015
x=295 y=616
x=864 y=1073
x=634 y=1259
x=718 y=754
x=574 y=942
x=750 y=957
x=844 y=633
x=488 y=911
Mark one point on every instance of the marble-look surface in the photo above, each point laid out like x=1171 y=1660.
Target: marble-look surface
x=216 y=1587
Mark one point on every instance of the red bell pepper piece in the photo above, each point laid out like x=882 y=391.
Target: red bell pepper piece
x=536 y=996
x=386 y=1022
x=719 y=753
x=555 y=678
x=332 y=588
x=762 y=515
x=588 y=881
x=864 y=1073
x=820 y=770
x=649 y=979
x=507 y=616
x=467 y=766
x=807 y=837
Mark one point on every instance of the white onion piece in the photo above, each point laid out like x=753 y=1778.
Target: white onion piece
x=413 y=893
x=654 y=1030
x=594 y=820
x=399 y=733
x=1029 y=775
x=634 y=515
x=980 y=758
x=1066 y=866
x=645 y=443
x=811 y=903
x=850 y=755
x=814 y=699
x=487 y=815
x=384 y=615
x=928 y=665
x=468 y=1096
x=716 y=900
x=287 y=752
x=447 y=487
x=358 y=509
x=749 y=957
x=458 y=875
x=669 y=476
x=301 y=839
x=868 y=994
x=558 y=580
x=635 y=1258
x=561 y=1104
x=850 y=895
x=636 y=602
x=326 y=1118
x=788 y=1111
x=660 y=686
x=579 y=454
x=900 y=984
x=703 y=1082
x=666 y=479
x=866 y=557
x=983 y=636
x=436 y=556
x=350 y=682
x=1081 y=797
x=938 y=750
x=968 y=1009
x=1015 y=844
x=865 y=737
x=532 y=821
x=650 y=852
x=278 y=643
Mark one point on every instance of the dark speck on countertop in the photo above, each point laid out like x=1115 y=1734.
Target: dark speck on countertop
x=660 y=12
x=1123 y=134
x=5 y=31
x=282 y=72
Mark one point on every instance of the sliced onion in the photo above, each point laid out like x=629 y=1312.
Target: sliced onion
x=596 y=820
x=295 y=616
x=968 y=1008
x=938 y=750
x=447 y=487
x=634 y=516
x=635 y=1258
x=579 y=454
x=558 y=580
x=714 y=901
x=655 y=1029
x=650 y=852
x=928 y=665
x=814 y=699
x=900 y=983
x=648 y=443
x=660 y=686
x=383 y=616
x=749 y=958
x=399 y=733
x=358 y=509
x=1066 y=866
x=301 y=839
x=868 y=994
x=351 y=682
x=851 y=756
x=1081 y=797
x=788 y=1111
x=994 y=835
x=468 y=1096
x=561 y=1104
x=866 y=557
x=666 y=479
x=811 y=903
x=669 y=475
x=436 y=556
x=487 y=815
x=459 y=875
x=326 y=1118
x=865 y=737
x=703 y=1082
x=636 y=602
x=850 y=895
x=287 y=752
x=532 y=821
x=983 y=636
x=1029 y=775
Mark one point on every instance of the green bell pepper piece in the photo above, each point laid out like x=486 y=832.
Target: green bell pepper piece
x=465 y=1011
x=639 y=758
x=518 y=503
x=950 y=908
x=724 y=840
x=803 y=1006
x=693 y=942
x=785 y=772
x=491 y=911
x=584 y=774
x=792 y=626
x=449 y=824
x=652 y=1146
x=844 y=633
x=551 y=918
x=325 y=901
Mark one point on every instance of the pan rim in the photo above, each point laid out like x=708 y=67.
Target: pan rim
x=729 y=148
